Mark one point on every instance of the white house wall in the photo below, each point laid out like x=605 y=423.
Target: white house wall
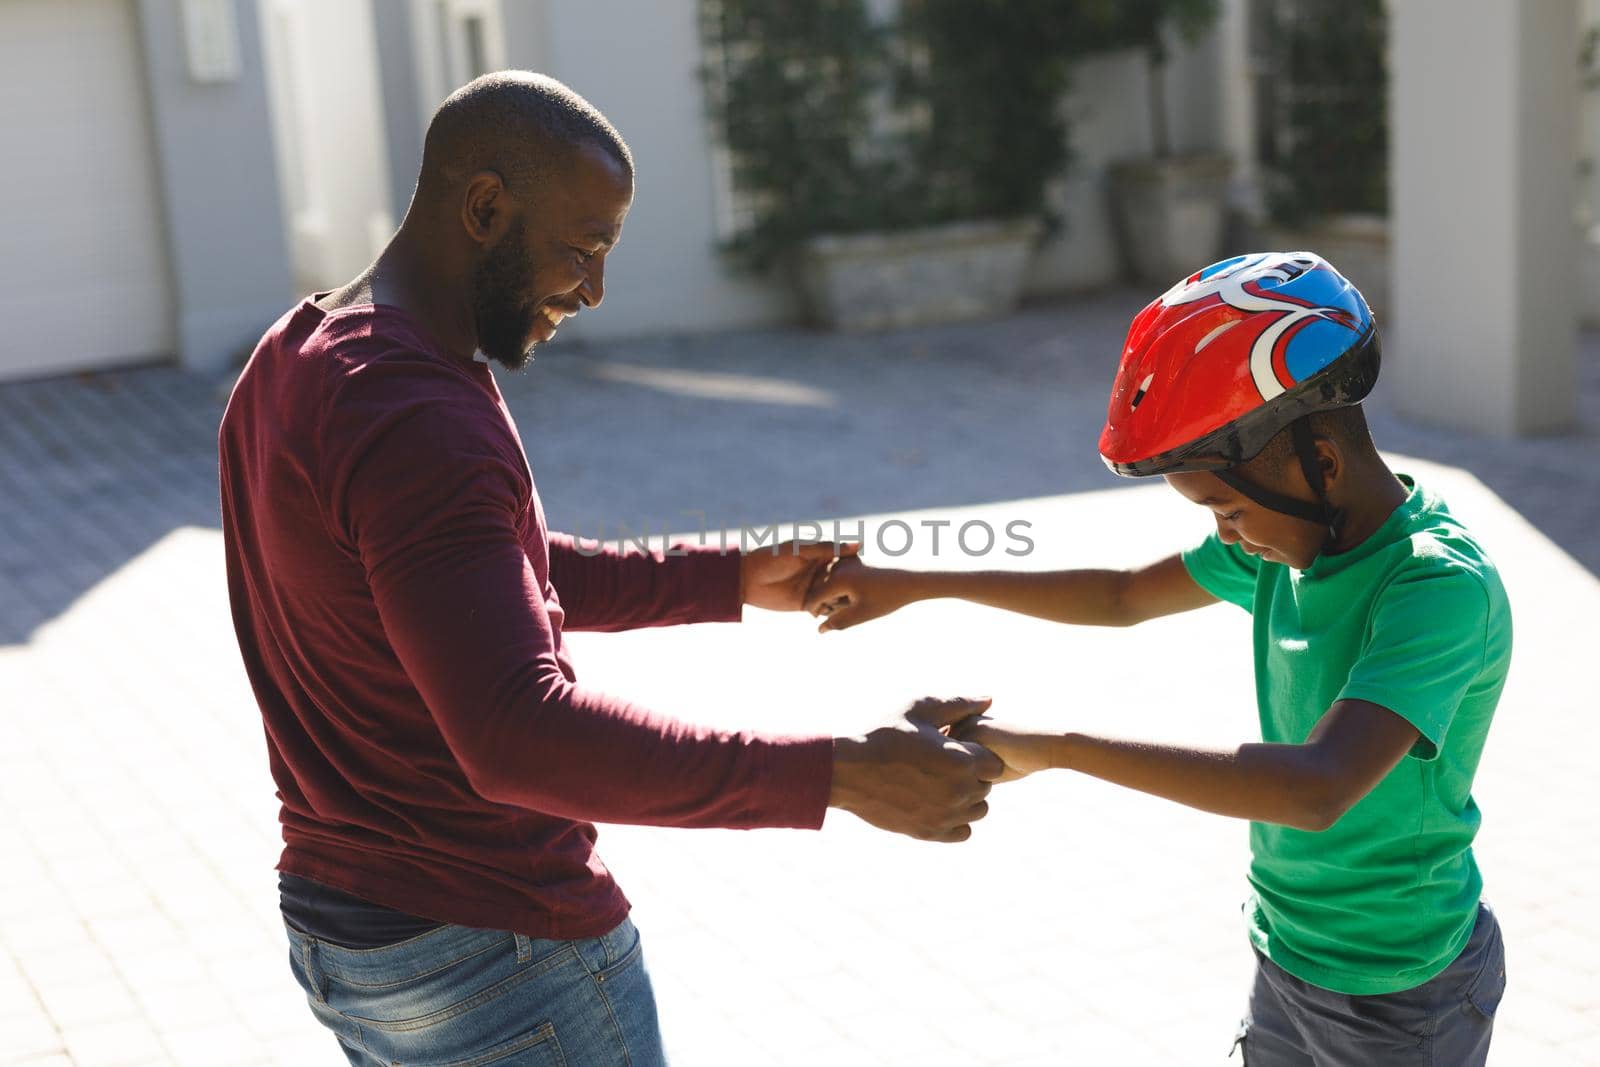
x=669 y=276
x=1482 y=176
x=219 y=188
x=328 y=133
x=637 y=62
x=1108 y=114
x=84 y=278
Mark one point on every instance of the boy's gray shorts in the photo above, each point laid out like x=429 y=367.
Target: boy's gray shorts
x=1445 y=1021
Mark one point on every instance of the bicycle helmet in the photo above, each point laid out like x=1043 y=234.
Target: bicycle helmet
x=1227 y=358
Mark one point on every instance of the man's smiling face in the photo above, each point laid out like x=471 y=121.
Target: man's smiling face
x=551 y=260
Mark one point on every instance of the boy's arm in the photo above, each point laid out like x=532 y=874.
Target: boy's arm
x=855 y=593
x=1308 y=786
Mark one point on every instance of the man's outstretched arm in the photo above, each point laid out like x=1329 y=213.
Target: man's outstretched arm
x=466 y=617
x=602 y=587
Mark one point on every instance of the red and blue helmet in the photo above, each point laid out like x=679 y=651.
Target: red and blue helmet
x=1224 y=360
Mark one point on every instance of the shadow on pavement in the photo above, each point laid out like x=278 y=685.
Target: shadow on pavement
x=93 y=470
x=748 y=428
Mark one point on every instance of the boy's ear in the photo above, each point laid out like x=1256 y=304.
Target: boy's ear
x=1330 y=459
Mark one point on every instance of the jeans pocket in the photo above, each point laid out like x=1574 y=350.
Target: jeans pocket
x=619 y=982
x=538 y=1049
x=1489 y=984
x=631 y=956
x=610 y=954
x=300 y=966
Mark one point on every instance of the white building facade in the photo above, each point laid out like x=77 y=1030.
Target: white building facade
x=182 y=169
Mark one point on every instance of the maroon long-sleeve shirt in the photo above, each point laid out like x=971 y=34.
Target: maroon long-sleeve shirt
x=399 y=605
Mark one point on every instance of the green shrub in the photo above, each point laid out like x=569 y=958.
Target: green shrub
x=1325 y=134
x=836 y=124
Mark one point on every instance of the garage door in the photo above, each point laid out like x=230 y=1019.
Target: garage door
x=83 y=269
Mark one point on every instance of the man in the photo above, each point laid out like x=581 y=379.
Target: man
x=400 y=604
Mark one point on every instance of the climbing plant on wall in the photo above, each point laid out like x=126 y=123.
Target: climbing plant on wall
x=1324 y=133
x=836 y=122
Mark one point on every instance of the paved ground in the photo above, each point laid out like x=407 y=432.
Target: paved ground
x=1081 y=925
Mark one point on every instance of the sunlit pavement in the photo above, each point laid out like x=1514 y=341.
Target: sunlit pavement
x=1082 y=924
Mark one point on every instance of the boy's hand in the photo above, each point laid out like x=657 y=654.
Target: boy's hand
x=911 y=777
x=778 y=578
x=1023 y=751
x=852 y=592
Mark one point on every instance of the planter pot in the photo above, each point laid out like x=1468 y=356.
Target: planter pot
x=1357 y=245
x=878 y=281
x=1169 y=214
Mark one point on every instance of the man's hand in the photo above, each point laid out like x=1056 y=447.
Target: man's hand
x=1022 y=751
x=852 y=592
x=779 y=577
x=911 y=778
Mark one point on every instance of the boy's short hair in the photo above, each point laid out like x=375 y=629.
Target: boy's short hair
x=1345 y=427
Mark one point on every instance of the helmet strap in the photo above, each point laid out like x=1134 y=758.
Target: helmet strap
x=1319 y=512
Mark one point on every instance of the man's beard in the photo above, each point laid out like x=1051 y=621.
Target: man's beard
x=502 y=321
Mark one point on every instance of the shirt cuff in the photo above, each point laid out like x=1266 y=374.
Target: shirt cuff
x=795 y=776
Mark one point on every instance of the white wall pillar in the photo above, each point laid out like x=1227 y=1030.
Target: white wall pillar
x=1483 y=140
x=400 y=98
x=1236 y=101
x=328 y=114
x=230 y=263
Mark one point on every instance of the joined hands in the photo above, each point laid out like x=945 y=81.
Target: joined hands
x=927 y=773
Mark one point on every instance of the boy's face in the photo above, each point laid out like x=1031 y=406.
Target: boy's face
x=1259 y=531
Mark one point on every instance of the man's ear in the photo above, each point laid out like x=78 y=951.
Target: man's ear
x=484 y=213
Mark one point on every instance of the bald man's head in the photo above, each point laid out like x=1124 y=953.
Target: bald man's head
x=523 y=193
x=526 y=127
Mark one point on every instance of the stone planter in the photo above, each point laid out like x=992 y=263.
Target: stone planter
x=1169 y=214
x=1356 y=245
x=880 y=281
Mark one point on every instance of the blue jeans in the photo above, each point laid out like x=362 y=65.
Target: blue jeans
x=460 y=996
x=1444 y=1022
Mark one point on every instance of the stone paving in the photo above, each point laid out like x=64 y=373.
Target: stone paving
x=1082 y=924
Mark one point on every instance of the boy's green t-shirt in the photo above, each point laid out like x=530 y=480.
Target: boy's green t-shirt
x=1413 y=619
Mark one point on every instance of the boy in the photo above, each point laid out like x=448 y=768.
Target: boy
x=1382 y=639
